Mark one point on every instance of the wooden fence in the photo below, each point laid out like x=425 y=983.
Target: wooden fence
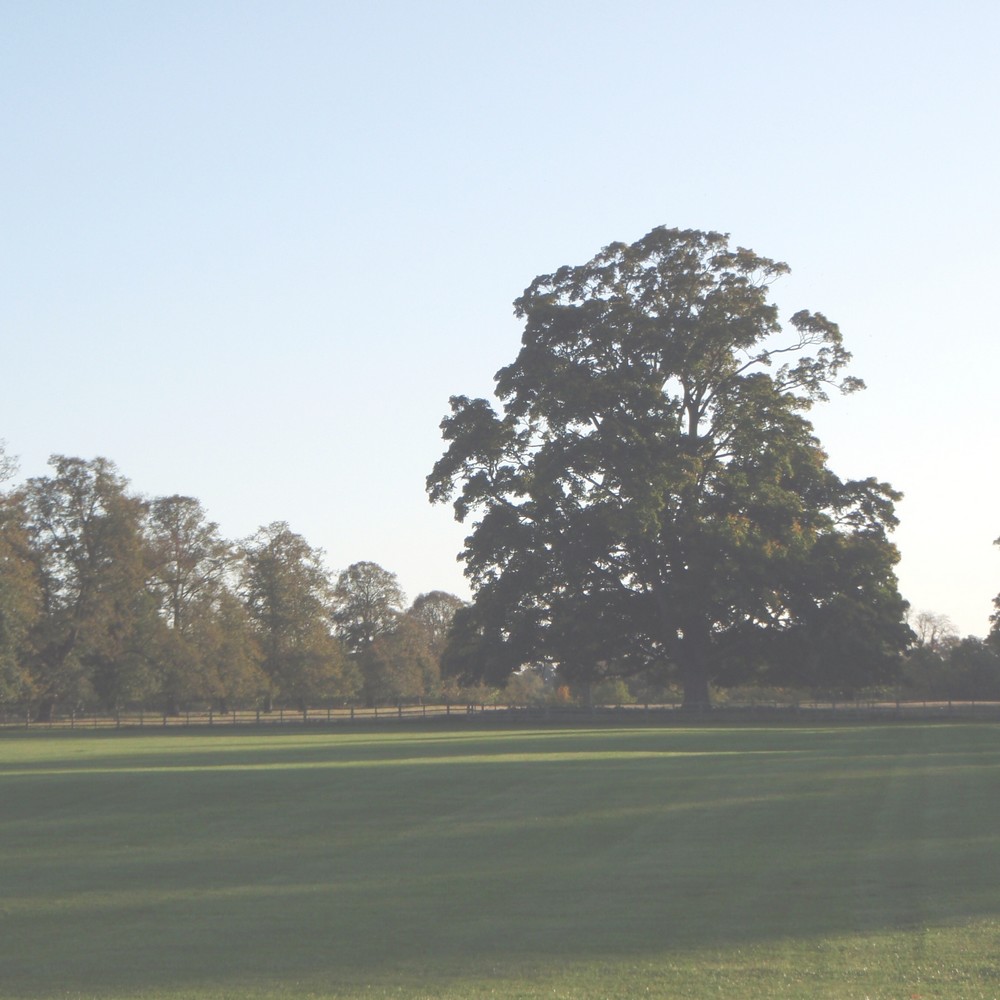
x=501 y=714
x=142 y=719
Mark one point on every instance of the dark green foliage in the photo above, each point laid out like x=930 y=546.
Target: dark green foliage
x=651 y=494
x=960 y=670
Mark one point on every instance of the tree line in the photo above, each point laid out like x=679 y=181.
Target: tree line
x=649 y=507
x=109 y=599
x=943 y=666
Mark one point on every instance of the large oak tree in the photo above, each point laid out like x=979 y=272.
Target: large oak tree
x=650 y=494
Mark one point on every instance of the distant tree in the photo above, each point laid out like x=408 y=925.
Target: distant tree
x=20 y=595
x=8 y=464
x=435 y=611
x=212 y=654
x=652 y=495
x=613 y=691
x=529 y=686
x=97 y=618
x=934 y=632
x=926 y=671
x=941 y=666
x=19 y=610
x=367 y=603
x=399 y=666
x=974 y=670
x=189 y=565
x=994 y=636
x=287 y=593
x=189 y=558
x=230 y=656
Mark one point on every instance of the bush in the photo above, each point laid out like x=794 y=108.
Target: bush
x=613 y=691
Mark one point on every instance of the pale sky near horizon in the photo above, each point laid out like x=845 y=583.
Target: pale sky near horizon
x=248 y=249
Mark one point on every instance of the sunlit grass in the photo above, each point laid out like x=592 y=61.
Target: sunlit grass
x=678 y=862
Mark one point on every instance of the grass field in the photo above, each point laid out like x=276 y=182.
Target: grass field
x=847 y=862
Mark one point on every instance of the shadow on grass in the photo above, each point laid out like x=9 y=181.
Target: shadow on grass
x=454 y=855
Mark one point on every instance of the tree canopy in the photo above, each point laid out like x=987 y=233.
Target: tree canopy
x=994 y=636
x=288 y=598
x=111 y=599
x=20 y=593
x=85 y=532
x=650 y=495
x=367 y=604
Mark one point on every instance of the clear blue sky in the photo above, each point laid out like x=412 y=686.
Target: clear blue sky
x=248 y=249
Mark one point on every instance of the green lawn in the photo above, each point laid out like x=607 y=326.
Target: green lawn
x=841 y=862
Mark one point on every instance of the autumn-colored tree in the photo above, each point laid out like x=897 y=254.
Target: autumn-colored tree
x=207 y=651
x=399 y=665
x=288 y=596
x=994 y=636
x=97 y=618
x=20 y=594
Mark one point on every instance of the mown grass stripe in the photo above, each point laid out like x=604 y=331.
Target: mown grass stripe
x=767 y=861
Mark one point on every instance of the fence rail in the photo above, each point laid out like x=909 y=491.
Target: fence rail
x=319 y=717
x=142 y=719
